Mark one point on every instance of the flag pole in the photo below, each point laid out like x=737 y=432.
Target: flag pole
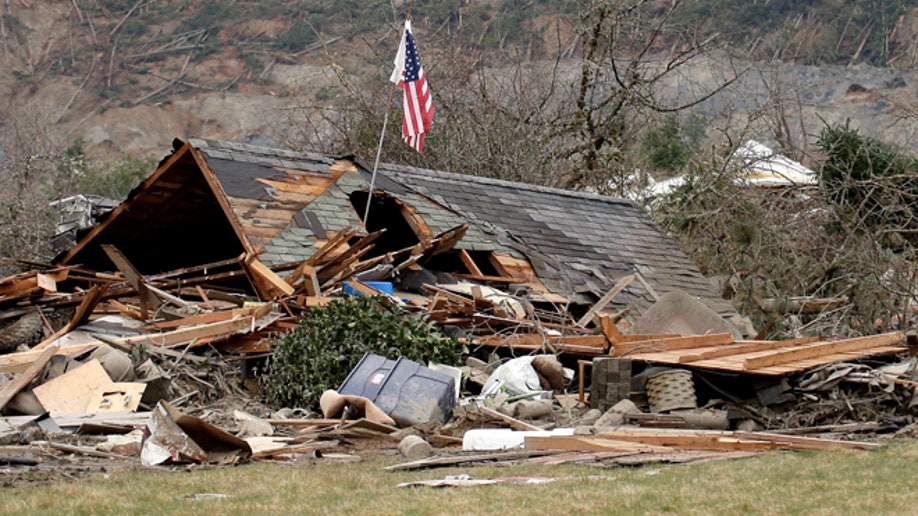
x=382 y=137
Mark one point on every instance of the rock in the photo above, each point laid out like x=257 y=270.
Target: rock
x=589 y=417
x=532 y=409
x=615 y=416
x=251 y=426
x=583 y=430
x=749 y=425
x=414 y=447
x=127 y=444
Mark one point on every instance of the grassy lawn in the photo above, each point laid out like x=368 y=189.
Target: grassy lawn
x=877 y=482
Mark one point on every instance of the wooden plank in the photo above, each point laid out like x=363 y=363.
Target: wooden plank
x=469 y=263
x=267 y=280
x=674 y=343
x=20 y=362
x=492 y=279
x=11 y=388
x=590 y=443
x=148 y=301
x=223 y=315
x=83 y=311
x=331 y=245
x=606 y=299
x=744 y=346
x=513 y=422
x=610 y=330
x=822 y=349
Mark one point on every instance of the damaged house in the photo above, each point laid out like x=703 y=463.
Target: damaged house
x=264 y=211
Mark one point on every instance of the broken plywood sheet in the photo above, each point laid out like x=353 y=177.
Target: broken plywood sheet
x=88 y=389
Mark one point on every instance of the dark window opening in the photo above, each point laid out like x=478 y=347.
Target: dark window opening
x=385 y=213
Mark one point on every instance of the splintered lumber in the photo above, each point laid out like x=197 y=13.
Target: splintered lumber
x=29 y=282
x=19 y=362
x=822 y=349
x=222 y=315
x=148 y=301
x=11 y=388
x=268 y=282
x=610 y=330
x=672 y=343
x=87 y=305
x=606 y=299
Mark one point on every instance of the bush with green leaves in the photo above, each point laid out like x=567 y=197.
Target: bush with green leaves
x=328 y=342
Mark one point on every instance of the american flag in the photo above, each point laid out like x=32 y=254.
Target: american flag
x=417 y=101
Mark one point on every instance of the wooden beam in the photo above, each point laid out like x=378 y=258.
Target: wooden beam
x=745 y=346
x=821 y=349
x=590 y=443
x=469 y=263
x=671 y=344
x=513 y=422
x=610 y=330
x=606 y=299
x=267 y=280
x=87 y=305
x=148 y=301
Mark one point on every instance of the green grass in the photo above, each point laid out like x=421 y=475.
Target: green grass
x=878 y=482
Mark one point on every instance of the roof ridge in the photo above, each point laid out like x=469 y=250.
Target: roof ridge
x=454 y=176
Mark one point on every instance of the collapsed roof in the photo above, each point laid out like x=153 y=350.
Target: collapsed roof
x=211 y=201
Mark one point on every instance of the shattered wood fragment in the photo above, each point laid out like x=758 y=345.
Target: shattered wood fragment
x=469 y=263
x=621 y=285
x=87 y=305
x=513 y=422
x=11 y=388
x=148 y=301
x=223 y=315
x=331 y=245
x=609 y=330
x=269 y=284
x=590 y=443
x=491 y=279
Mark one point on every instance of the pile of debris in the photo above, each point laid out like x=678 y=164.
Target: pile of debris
x=148 y=324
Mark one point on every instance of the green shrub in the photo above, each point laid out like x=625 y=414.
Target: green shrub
x=329 y=341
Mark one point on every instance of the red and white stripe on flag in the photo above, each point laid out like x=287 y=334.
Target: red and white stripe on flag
x=417 y=101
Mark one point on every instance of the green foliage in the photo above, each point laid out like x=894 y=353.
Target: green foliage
x=114 y=180
x=329 y=341
x=870 y=180
x=670 y=145
x=297 y=37
x=208 y=15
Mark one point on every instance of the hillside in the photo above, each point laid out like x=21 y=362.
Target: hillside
x=126 y=76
